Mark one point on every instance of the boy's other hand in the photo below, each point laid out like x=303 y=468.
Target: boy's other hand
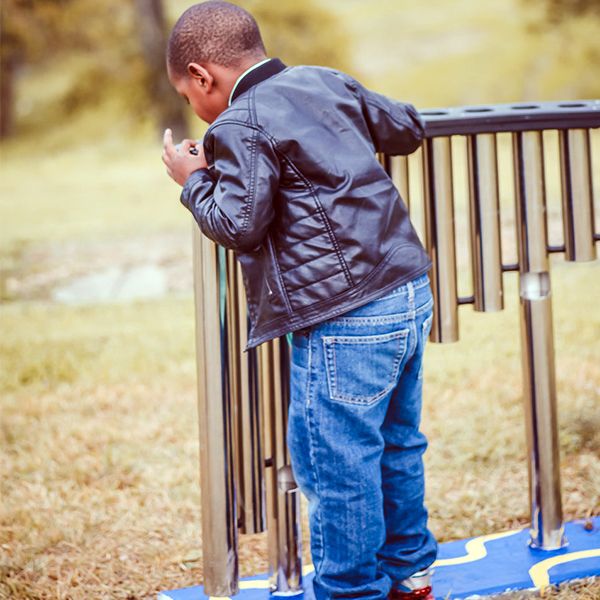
x=179 y=161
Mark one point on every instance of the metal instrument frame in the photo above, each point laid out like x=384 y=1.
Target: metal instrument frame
x=246 y=480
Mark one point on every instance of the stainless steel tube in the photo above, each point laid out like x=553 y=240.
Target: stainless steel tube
x=289 y=573
x=577 y=197
x=440 y=236
x=398 y=171
x=219 y=518
x=537 y=346
x=283 y=513
x=248 y=464
x=484 y=218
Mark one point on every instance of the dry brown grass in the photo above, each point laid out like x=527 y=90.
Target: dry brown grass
x=100 y=503
x=100 y=493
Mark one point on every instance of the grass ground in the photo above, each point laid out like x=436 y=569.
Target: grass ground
x=99 y=435
x=100 y=439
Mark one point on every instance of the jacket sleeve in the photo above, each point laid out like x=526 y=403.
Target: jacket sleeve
x=395 y=127
x=232 y=199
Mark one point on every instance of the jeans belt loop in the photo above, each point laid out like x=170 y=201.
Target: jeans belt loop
x=411 y=295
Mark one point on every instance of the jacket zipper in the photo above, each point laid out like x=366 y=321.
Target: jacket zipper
x=268 y=253
x=273 y=263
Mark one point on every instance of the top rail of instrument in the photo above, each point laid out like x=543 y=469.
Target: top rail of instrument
x=502 y=118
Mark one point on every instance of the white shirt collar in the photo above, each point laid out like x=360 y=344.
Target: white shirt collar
x=262 y=62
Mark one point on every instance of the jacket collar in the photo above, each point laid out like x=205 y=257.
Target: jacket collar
x=256 y=74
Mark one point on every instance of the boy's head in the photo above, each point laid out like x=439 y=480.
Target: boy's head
x=210 y=46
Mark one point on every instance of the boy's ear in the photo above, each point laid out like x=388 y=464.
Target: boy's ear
x=201 y=75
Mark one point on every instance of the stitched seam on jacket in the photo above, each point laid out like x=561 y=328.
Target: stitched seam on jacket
x=332 y=236
x=321 y=211
x=307 y=262
x=251 y=105
x=248 y=203
x=253 y=165
x=328 y=276
x=272 y=254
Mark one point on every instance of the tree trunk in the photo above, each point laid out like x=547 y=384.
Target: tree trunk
x=7 y=99
x=153 y=39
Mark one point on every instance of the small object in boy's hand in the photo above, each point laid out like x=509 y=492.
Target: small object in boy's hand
x=193 y=150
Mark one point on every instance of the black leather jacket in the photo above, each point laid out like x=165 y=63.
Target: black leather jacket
x=294 y=187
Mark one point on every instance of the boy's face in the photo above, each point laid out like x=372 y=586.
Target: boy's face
x=203 y=89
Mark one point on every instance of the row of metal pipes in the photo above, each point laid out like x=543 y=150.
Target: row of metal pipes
x=246 y=482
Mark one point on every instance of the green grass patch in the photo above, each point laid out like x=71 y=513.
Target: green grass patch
x=44 y=346
x=109 y=188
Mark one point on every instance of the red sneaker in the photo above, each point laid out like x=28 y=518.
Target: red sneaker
x=415 y=587
x=423 y=593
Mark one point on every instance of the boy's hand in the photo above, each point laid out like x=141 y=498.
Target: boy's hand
x=180 y=162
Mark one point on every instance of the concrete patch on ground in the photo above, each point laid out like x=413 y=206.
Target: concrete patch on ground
x=102 y=270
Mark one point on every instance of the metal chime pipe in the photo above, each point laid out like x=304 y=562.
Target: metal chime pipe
x=248 y=464
x=577 y=197
x=484 y=213
x=283 y=496
x=439 y=236
x=219 y=518
x=547 y=530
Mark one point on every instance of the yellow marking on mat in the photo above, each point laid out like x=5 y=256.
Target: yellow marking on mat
x=475 y=549
x=219 y=598
x=255 y=584
x=262 y=584
x=539 y=572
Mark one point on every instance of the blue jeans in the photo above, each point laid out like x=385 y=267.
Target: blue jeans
x=355 y=445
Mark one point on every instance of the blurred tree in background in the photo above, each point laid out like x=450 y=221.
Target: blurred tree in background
x=113 y=51
x=558 y=9
x=152 y=32
x=301 y=32
x=27 y=30
x=569 y=32
x=106 y=49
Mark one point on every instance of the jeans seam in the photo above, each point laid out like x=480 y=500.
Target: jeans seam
x=313 y=462
x=382 y=319
x=401 y=290
x=413 y=326
x=374 y=320
x=423 y=341
x=424 y=307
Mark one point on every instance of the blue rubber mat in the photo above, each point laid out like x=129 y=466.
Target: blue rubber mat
x=484 y=565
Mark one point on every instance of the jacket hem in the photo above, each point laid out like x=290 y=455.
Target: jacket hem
x=339 y=307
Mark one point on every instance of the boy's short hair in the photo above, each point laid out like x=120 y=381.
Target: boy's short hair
x=215 y=31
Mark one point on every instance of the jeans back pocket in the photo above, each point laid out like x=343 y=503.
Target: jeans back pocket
x=362 y=369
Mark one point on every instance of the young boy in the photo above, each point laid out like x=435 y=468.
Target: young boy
x=287 y=176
